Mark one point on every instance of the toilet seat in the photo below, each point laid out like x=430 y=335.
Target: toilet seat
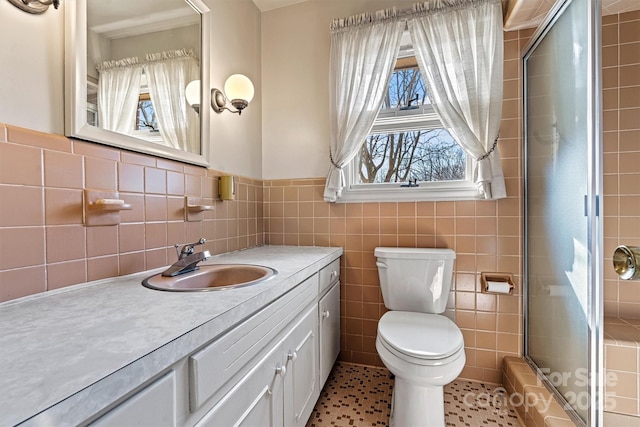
x=423 y=338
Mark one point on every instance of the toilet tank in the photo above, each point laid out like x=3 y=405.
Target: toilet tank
x=415 y=279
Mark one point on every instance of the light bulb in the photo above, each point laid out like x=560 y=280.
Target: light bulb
x=192 y=94
x=239 y=87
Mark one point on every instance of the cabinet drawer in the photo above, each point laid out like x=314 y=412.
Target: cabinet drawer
x=328 y=275
x=153 y=406
x=212 y=367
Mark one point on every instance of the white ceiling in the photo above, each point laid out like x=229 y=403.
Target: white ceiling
x=520 y=13
x=123 y=18
x=265 y=5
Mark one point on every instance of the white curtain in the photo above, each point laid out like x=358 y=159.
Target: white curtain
x=118 y=92
x=459 y=49
x=168 y=74
x=363 y=52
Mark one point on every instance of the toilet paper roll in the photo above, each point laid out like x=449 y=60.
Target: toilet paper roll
x=498 y=287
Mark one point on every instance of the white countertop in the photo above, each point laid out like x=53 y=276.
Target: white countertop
x=55 y=347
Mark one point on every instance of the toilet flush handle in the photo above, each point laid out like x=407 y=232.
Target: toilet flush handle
x=381 y=264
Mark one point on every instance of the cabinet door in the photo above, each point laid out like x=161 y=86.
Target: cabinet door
x=329 y=310
x=301 y=382
x=256 y=400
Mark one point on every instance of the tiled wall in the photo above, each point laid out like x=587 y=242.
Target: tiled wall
x=622 y=362
x=621 y=114
x=621 y=105
x=486 y=236
x=43 y=243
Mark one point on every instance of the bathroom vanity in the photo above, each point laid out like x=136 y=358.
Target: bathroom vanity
x=114 y=353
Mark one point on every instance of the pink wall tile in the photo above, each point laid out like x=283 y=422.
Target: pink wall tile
x=63 y=170
x=95 y=150
x=38 y=139
x=131 y=262
x=155 y=235
x=102 y=268
x=65 y=243
x=21 y=206
x=131 y=237
x=20 y=164
x=62 y=206
x=21 y=247
x=155 y=181
x=155 y=208
x=22 y=282
x=138 y=159
x=130 y=178
x=102 y=241
x=64 y=274
x=100 y=174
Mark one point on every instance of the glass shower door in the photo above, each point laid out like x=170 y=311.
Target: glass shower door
x=561 y=184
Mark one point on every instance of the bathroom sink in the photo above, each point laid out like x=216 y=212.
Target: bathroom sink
x=212 y=278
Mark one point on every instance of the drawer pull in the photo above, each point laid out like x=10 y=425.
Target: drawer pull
x=326 y=314
x=334 y=274
x=281 y=370
x=292 y=356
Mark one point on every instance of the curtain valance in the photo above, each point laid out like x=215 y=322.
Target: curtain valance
x=134 y=61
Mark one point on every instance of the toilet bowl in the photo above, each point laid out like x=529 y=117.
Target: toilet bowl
x=421 y=347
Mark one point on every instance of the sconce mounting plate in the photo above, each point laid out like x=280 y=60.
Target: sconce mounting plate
x=35 y=7
x=218 y=100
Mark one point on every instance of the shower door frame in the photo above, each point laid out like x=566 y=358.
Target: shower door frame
x=592 y=210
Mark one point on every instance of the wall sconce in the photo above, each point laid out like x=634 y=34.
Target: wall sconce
x=238 y=88
x=35 y=6
x=192 y=94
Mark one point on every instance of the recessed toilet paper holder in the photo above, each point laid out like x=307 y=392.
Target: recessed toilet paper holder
x=626 y=262
x=497 y=283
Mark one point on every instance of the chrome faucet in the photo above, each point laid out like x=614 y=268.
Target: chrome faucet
x=188 y=259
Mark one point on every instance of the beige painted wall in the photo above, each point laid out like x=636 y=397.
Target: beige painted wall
x=32 y=77
x=235 y=48
x=31 y=69
x=295 y=77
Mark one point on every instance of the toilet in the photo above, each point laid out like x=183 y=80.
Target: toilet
x=419 y=345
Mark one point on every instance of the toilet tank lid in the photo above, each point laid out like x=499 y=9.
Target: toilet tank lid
x=415 y=253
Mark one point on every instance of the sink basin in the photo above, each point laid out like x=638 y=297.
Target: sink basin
x=212 y=278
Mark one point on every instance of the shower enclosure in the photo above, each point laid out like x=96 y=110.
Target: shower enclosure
x=562 y=221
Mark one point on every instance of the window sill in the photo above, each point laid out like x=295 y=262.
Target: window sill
x=432 y=193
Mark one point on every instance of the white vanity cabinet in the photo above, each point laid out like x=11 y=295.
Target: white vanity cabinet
x=264 y=366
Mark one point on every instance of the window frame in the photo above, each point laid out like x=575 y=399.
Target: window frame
x=397 y=120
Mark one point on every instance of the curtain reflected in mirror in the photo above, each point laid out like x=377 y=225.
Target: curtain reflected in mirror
x=140 y=57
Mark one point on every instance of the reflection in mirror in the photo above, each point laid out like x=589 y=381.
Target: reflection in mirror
x=132 y=67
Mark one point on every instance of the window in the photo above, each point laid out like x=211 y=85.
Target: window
x=146 y=123
x=146 y=114
x=408 y=155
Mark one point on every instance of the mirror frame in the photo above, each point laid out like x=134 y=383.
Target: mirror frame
x=76 y=89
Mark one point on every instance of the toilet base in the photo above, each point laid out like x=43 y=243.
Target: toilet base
x=416 y=405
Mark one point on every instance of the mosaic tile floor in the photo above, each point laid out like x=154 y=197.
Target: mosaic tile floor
x=357 y=395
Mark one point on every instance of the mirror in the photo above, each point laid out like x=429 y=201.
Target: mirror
x=127 y=65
